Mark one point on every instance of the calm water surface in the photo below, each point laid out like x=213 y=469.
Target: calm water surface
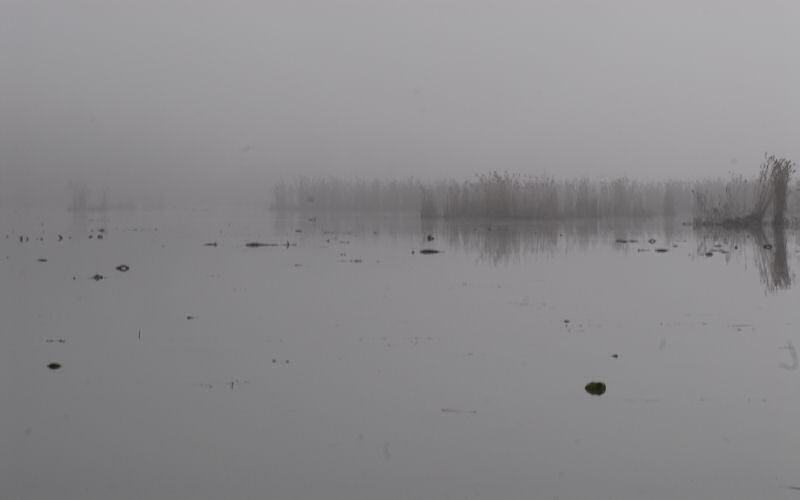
x=347 y=365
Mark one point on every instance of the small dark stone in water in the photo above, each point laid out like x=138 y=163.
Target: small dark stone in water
x=97 y=277
x=60 y=237
x=661 y=250
x=652 y=241
x=189 y=317
x=709 y=254
x=429 y=237
x=622 y=241
x=596 y=388
x=99 y=236
x=42 y=260
x=54 y=366
x=212 y=244
x=428 y=251
x=767 y=246
x=123 y=268
x=615 y=356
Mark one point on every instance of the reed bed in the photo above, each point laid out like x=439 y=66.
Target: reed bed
x=737 y=200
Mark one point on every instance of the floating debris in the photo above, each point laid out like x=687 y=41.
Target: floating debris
x=429 y=237
x=190 y=317
x=455 y=410
x=709 y=254
x=123 y=268
x=652 y=241
x=236 y=382
x=622 y=241
x=42 y=260
x=257 y=244
x=97 y=277
x=54 y=366
x=615 y=356
x=211 y=244
x=767 y=246
x=661 y=250
x=56 y=340
x=596 y=388
x=428 y=251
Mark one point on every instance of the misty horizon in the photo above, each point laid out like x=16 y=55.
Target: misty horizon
x=194 y=100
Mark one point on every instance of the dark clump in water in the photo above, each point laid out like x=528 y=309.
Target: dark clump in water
x=42 y=260
x=97 y=277
x=767 y=246
x=54 y=366
x=661 y=250
x=428 y=251
x=596 y=388
x=123 y=268
x=709 y=254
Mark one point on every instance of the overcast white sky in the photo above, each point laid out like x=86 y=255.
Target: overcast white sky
x=227 y=94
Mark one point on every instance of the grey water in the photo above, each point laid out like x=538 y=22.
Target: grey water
x=153 y=354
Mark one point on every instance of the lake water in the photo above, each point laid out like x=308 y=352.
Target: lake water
x=348 y=365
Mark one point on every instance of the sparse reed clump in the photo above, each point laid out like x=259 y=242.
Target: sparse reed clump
x=741 y=202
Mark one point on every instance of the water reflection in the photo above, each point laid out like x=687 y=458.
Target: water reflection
x=511 y=242
x=767 y=245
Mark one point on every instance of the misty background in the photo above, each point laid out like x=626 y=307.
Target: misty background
x=197 y=101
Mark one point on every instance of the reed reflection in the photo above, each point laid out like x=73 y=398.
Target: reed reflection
x=768 y=247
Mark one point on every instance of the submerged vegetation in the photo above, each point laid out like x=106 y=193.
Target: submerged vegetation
x=734 y=202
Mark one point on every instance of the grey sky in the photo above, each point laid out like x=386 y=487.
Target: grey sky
x=227 y=94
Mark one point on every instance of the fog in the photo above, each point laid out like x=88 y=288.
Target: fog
x=191 y=100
